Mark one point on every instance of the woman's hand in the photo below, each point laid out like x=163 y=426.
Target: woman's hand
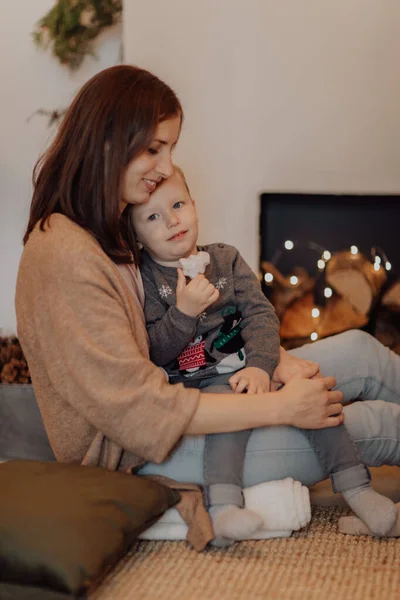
x=310 y=403
x=252 y=379
x=303 y=402
x=193 y=298
x=290 y=365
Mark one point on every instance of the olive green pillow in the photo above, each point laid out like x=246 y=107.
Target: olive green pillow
x=63 y=526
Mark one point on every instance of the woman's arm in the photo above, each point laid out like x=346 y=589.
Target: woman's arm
x=303 y=402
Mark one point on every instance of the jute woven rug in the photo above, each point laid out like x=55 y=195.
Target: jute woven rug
x=316 y=563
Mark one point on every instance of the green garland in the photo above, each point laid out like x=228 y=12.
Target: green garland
x=71 y=26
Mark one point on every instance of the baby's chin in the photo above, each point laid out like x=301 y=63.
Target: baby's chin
x=170 y=260
x=166 y=261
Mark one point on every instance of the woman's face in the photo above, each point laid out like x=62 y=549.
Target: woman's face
x=145 y=171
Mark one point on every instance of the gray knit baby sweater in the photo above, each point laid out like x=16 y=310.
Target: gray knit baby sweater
x=240 y=329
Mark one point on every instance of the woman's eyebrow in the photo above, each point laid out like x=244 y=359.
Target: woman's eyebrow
x=161 y=141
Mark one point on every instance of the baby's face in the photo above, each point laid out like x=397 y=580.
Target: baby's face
x=167 y=225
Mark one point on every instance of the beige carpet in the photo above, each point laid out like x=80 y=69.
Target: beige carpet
x=316 y=563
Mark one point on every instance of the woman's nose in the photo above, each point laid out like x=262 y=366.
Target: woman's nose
x=164 y=166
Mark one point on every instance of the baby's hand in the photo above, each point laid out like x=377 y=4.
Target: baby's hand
x=252 y=379
x=193 y=298
x=291 y=365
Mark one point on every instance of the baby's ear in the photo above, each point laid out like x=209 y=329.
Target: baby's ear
x=195 y=207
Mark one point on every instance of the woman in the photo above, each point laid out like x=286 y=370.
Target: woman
x=82 y=329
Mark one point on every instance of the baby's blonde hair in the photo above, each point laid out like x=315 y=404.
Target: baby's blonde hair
x=181 y=174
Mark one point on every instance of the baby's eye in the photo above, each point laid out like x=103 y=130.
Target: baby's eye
x=153 y=217
x=178 y=204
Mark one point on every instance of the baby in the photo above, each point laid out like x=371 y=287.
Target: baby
x=217 y=332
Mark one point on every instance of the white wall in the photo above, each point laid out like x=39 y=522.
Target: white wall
x=30 y=79
x=278 y=95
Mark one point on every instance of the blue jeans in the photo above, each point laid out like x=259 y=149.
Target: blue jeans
x=363 y=369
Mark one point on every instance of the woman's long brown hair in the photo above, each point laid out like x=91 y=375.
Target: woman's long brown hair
x=111 y=121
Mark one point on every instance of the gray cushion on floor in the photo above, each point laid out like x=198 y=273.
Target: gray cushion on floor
x=9 y=591
x=22 y=433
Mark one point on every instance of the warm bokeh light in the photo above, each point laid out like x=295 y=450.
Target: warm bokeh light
x=268 y=277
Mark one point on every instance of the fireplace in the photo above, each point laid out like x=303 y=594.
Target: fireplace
x=335 y=223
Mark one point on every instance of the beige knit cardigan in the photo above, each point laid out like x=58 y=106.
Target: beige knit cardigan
x=82 y=330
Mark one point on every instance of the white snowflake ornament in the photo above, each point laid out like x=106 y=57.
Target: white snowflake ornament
x=221 y=283
x=164 y=291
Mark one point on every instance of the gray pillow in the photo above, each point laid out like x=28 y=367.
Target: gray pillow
x=22 y=433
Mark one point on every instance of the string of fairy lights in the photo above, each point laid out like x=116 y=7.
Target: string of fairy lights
x=380 y=261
